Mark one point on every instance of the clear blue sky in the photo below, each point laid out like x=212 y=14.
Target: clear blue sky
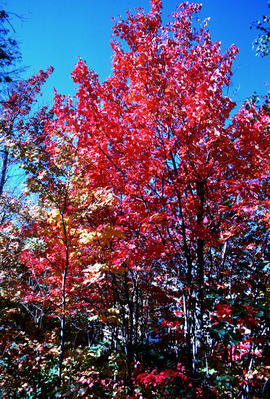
x=56 y=32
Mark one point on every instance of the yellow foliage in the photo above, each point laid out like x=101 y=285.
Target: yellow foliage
x=86 y=237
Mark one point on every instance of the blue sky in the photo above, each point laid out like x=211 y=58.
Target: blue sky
x=56 y=32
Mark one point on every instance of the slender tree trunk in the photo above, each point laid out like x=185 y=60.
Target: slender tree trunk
x=3 y=170
x=200 y=259
x=62 y=327
x=63 y=305
x=130 y=331
x=200 y=276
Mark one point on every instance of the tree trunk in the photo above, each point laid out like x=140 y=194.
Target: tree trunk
x=63 y=305
x=200 y=186
x=3 y=171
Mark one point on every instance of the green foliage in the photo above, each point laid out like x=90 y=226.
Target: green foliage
x=9 y=50
x=262 y=41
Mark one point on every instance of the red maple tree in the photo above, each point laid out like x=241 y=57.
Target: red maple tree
x=175 y=263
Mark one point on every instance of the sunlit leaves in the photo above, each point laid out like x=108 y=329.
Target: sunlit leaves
x=149 y=248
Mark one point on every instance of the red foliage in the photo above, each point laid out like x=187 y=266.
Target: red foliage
x=153 y=203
